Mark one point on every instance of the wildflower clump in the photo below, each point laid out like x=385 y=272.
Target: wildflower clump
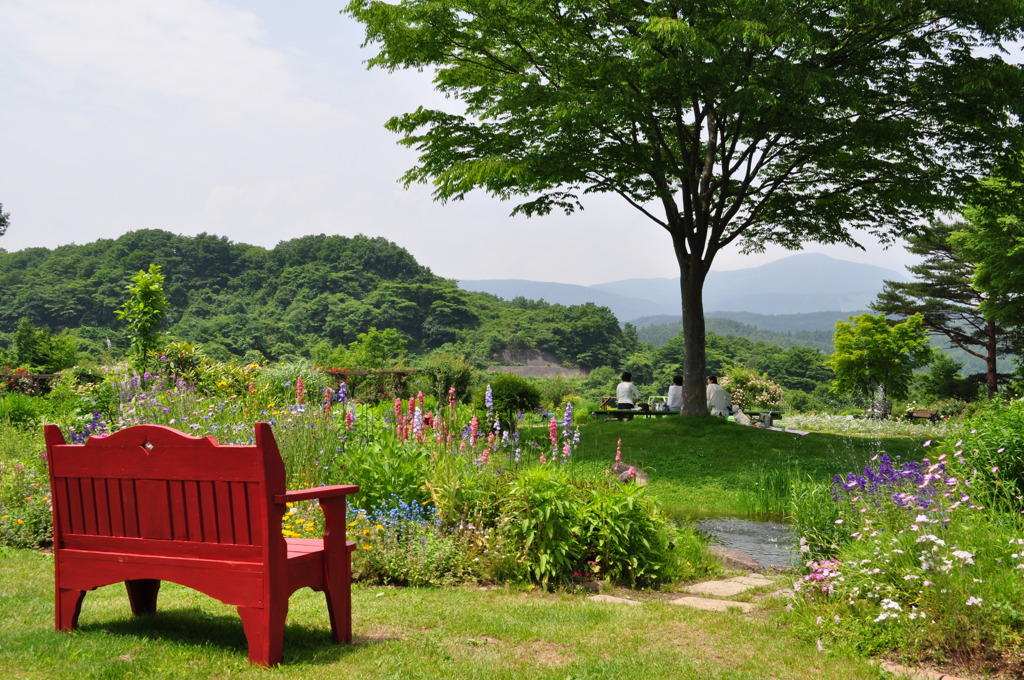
x=929 y=556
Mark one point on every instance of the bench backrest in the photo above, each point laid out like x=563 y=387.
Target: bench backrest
x=154 y=489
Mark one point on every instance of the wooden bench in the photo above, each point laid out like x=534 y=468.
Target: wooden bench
x=150 y=504
x=763 y=417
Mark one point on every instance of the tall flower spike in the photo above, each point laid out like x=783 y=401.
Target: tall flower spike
x=618 y=452
x=489 y=399
x=300 y=390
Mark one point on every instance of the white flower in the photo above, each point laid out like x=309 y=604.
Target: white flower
x=964 y=556
x=971 y=601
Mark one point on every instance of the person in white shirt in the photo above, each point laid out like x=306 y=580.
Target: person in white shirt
x=675 y=394
x=718 y=399
x=626 y=392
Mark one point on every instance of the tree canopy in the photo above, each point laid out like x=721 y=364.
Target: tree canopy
x=872 y=356
x=993 y=240
x=943 y=292
x=739 y=121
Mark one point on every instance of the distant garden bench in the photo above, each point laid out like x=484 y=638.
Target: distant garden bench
x=150 y=504
x=763 y=417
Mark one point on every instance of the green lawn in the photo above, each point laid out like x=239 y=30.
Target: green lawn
x=400 y=633
x=702 y=467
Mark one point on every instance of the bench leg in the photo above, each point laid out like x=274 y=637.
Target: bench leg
x=338 y=592
x=142 y=594
x=264 y=631
x=67 y=607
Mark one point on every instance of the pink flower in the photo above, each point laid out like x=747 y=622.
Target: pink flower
x=300 y=390
x=618 y=452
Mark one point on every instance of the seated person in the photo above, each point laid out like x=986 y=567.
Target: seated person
x=675 y=394
x=626 y=393
x=718 y=399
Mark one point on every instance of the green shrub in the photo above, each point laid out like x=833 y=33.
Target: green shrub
x=439 y=372
x=511 y=395
x=566 y=530
x=19 y=408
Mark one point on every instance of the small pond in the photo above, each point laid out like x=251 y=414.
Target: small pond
x=771 y=544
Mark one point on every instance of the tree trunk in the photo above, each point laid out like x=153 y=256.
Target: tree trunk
x=991 y=375
x=691 y=287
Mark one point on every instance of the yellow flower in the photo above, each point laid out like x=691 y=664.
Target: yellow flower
x=367 y=547
x=21 y=521
x=222 y=383
x=378 y=527
x=365 y=531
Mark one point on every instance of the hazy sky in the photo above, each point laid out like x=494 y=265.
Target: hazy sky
x=257 y=120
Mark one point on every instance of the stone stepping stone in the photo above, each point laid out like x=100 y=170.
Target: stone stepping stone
x=753 y=580
x=712 y=605
x=718 y=588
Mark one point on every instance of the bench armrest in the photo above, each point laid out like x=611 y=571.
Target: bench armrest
x=320 y=492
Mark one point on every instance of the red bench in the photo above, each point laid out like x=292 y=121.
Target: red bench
x=150 y=504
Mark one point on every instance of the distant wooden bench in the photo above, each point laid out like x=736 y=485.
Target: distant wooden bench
x=149 y=504
x=880 y=410
x=763 y=417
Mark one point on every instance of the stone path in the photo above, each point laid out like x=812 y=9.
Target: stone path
x=709 y=595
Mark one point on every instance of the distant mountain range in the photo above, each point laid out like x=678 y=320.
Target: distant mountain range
x=802 y=284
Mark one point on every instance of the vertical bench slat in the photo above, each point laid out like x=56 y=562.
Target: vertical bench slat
x=240 y=513
x=256 y=520
x=225 y=525
x=102 y=507
x=154 y=509
x=209 y=514
x=194 y=512
x=62 y=496
x=179 y=527
x=131 y=508
x=88 y=507
x=115 y=502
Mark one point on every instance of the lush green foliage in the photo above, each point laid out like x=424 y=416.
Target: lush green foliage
x=311 y=296
x=992 y=240
x=144 y=313
x=872 y=356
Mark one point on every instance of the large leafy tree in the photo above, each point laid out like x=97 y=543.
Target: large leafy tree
x=873 y=356
x=5 y=220
x=943 y=292
x=721 y=121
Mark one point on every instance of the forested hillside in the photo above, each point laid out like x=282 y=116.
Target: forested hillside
x=237 y=299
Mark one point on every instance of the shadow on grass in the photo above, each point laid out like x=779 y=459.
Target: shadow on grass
x=196 y=627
